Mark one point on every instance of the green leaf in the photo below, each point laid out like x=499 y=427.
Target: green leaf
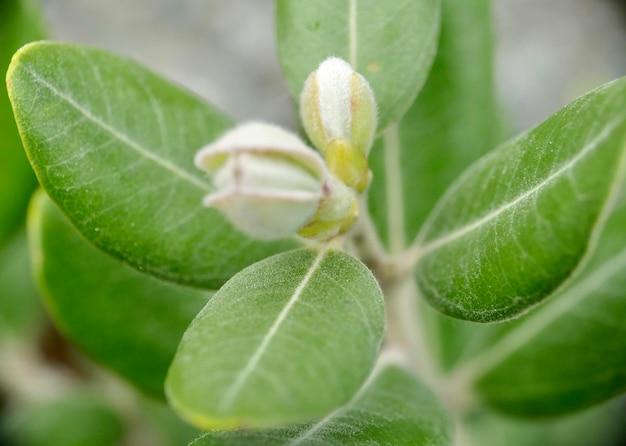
x=568 y=354
x=596 y=427
x=287 y=339
x=392 y=44
x=393 y=408
x=453 y=122
x=517 y=224
x=20 y=309
x=128 y=321
x=113 y=146
x=70 y=420
x=19 y=23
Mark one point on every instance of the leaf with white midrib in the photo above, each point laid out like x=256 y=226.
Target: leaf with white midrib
x=423 y=249
x=566 y=355
x=518 y=223
x=235 y=388
x=287 y=339
x=113 y=145
x=143 y=151
x=533 y=326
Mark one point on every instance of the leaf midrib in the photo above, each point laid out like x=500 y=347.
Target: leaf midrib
x=420 y=251
x=146 y=153
x=234 y=389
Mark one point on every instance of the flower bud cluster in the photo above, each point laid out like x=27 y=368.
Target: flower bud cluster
x=271 y=185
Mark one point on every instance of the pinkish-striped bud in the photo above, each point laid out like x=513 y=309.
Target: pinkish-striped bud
x=267 y=181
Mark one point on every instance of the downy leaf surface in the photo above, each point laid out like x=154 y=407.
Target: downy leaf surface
x=288 y=339
x=562 y=356
x=517 y=224
x=569 y=353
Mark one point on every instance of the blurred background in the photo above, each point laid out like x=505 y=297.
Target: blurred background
x=548 y=52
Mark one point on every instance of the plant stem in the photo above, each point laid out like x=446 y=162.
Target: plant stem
x=395 y=205
x=405 y=331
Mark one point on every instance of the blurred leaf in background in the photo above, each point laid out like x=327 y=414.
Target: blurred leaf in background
x=20 y=23
x=127 y=321
x=46 y=424
x=20 y=312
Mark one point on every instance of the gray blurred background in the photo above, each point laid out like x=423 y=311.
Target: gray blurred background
x=548 y=51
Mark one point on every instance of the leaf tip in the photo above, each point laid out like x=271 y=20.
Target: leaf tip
x=15 y=62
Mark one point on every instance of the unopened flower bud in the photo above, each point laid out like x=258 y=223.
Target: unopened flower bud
x=338 y=103
x=268 y=182
x=348 y=164
x=336 y=213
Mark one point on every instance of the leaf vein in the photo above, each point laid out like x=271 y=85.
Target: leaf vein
x=494 y=214
x=480 y=365
x=233 y=390
x=176 y=170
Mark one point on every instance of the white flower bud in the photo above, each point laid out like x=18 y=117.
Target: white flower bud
x=338 y=103
x=268 y=182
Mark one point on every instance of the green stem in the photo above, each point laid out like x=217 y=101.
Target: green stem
x=395 y=205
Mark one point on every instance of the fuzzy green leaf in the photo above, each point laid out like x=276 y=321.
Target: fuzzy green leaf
x=129 y=321
x=287 y=339
x=517 y=224
x=567 y=354
x=392 y=44
x=113 y=146
x=394 y=408
x=19 y=24
x=453 y=122
x=564 y=355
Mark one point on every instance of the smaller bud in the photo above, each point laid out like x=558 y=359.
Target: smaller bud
x=348 y=164
x=336 y=213
x=268 y=182
x=338 y=103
